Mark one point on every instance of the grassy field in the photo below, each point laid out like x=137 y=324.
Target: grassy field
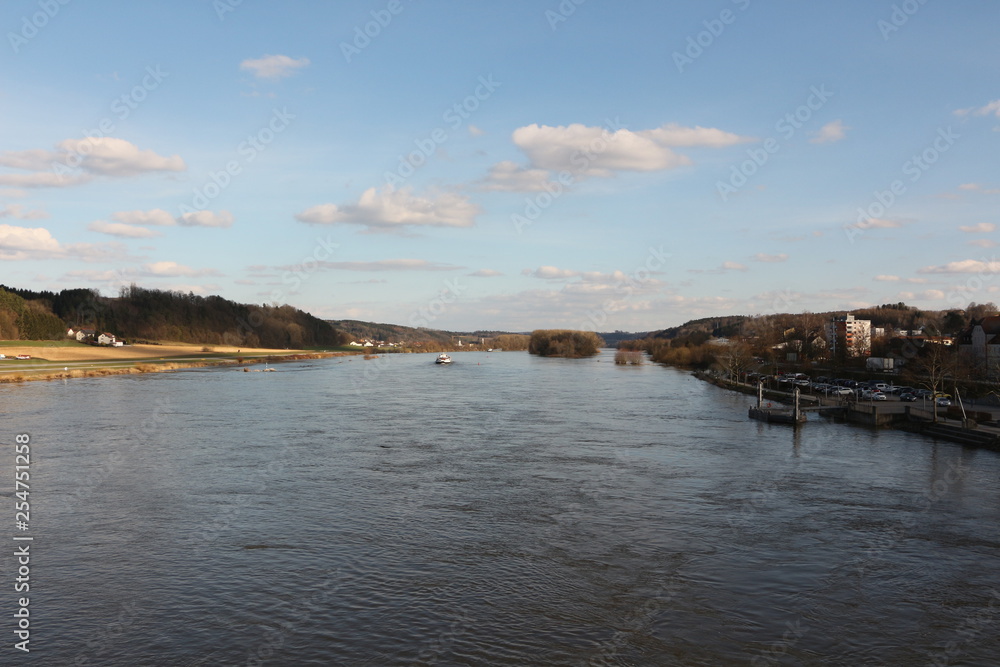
x=40 y=343
x=71 y=359
x=60 y=351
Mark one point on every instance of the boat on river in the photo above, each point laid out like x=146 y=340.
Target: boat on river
x=443 y=359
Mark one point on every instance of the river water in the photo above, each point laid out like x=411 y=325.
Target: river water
x=505 y=510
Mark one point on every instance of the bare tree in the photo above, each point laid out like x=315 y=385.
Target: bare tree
x=736 y=359
x=935 y=364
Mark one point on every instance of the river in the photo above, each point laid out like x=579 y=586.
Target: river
x=505 y=510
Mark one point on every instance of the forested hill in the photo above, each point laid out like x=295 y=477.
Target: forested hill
x=27 y=320
x=156 y=315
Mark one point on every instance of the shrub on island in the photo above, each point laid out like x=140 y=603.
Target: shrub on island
x=564 y=343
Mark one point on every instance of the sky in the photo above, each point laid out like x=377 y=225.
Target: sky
x=579 y=164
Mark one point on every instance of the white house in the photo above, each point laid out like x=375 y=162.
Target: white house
x=84 y=334
x=106 y=339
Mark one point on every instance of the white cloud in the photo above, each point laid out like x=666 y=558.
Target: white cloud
x=390 y=210
x=887 y=279
x=551 y=273
x=475 y=131
x=981 y=228
x=386 y=265
x=121 y=230
x=206 y=219
x=166 y=269
x=95 y=276
x=830 y=133
x=18 y=243
x=18 y=211
x=969 y=186
x=23 y=242
x=485 y=273
x=510 y=177
x=273 y=67
x=877 y=223
x=762 y=257
x=156 y=217
x=598 y=152
x=108 y=156
x=964 y=266
x=84 y=158
x=984 y=243
x=733 y=266
x=43 y=180
x=990 y=108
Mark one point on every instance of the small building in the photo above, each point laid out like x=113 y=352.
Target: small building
x=106 y=339
x=84 y=334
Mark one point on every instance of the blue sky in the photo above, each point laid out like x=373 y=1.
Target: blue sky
x=506 y=166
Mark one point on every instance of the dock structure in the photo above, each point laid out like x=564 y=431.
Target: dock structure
x=783 y=415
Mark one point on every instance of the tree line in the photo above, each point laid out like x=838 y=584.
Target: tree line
x=140 y=314
x=564 y=343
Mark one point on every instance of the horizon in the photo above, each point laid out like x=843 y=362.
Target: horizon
x=506 y=168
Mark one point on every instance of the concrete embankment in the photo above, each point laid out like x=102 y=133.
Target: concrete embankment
x=891 y=414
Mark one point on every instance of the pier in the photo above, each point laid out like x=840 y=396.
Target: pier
x=974 y=429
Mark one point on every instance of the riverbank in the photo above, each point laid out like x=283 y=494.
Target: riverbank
x=62 y=363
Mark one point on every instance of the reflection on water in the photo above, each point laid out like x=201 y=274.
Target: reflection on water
x=505 y=510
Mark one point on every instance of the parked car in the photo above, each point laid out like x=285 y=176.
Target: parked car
x=872 y=395
x=943 y=402
x=908 y=397
x=841 y=391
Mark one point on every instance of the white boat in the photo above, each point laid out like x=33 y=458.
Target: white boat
x=443 y=359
